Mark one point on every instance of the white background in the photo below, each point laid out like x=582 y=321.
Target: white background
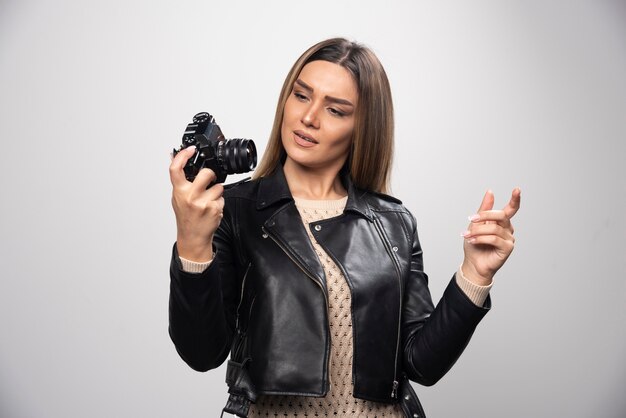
x=488 y=94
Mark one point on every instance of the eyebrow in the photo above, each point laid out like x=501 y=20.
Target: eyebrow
x=329 y=98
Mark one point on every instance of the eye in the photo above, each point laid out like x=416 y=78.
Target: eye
x=335 y=112
x=300 y=96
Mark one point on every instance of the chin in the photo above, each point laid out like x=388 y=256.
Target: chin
x=315 y=157
x=302 y=160
x=309 y=162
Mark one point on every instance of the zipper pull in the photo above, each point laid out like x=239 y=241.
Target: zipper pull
x=394 y=390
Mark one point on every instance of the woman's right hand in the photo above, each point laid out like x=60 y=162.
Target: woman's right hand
x=198 y=210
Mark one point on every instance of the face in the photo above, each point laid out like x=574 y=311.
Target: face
x=318 y=118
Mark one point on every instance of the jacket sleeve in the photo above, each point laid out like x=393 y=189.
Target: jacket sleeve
x=434 y=338
x=202 y=305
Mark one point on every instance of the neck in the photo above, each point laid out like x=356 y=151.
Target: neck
x=313 y=184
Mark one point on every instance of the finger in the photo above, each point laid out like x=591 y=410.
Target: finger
x=215 y=207
x=493 y=241
x=215 y=192
x=490 y=216
x=220 y=206
x=488 y=229
x=512 y=207
x=204 y=177
x=177 y=174
x=487 y=203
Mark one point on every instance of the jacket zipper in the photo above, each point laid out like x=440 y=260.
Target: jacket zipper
x=297 y=263
x=395 y=384
x=243 y=287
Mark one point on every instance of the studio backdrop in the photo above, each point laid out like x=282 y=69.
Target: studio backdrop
x=487 y=94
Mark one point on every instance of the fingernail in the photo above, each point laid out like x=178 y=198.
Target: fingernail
x=465 y=233
x=473 y=218
x=192 y=148
x=471 y=240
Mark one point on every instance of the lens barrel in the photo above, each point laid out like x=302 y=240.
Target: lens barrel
x=237 y=155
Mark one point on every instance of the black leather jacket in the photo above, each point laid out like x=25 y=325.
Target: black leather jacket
x=264 y=297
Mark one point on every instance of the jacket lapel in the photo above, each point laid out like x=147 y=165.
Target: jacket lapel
x=286 y=228
x=285 y=224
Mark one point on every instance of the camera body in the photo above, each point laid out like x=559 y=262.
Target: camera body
x=214 y=151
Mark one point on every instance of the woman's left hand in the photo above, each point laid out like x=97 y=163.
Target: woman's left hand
x=489 y=239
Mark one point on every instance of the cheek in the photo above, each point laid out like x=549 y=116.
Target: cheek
x=289 y=109
x=287 y=116
x=344 y=134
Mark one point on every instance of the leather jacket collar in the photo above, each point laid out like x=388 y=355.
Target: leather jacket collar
x=274 y=189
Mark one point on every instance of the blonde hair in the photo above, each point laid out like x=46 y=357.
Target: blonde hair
x=371 y=154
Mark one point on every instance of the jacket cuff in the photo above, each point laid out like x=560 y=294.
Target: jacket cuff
x=476 y=293
x=188 y=268
x=463 y=300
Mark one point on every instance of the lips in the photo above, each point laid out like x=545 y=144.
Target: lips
x=303 y=139
x=305 y=136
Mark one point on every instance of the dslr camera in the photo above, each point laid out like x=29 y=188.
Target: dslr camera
x=223 y=156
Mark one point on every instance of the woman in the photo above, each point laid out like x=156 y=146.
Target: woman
x=311 y=277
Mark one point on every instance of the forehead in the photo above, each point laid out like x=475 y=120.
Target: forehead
x=329 y=79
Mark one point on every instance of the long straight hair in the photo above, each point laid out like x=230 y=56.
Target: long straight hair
x=371 y=153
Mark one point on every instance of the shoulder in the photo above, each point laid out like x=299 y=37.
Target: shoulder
x=386 y=205
x=382 y=202
x=245 y=189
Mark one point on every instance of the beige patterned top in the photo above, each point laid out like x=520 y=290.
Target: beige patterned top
x=339 y=401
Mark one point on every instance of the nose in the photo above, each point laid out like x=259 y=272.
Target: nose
x=310 y=117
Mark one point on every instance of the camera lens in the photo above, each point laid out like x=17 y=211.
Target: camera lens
x=237 y=155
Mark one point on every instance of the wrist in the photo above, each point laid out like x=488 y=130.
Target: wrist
x=471 y=274
x=199 y=250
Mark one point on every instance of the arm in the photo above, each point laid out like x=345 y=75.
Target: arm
x=202 y=305
x=434 y=338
